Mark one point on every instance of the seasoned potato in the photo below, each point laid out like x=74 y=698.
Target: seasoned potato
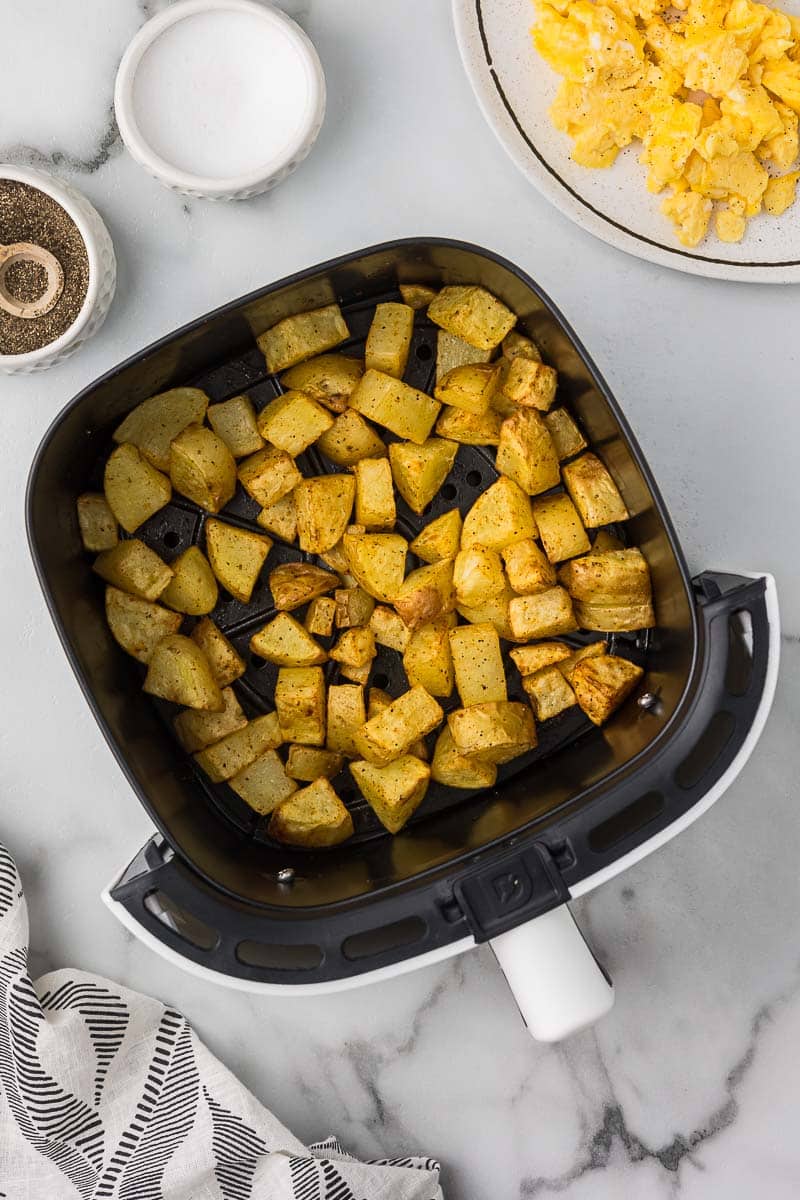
x=300 y=705
x=494 y=732
x=96 y=522
x=390 y=734
x=419 y=471
x=350 y=439
x=346 y=716
x=426 y=593
x=416 y=295
x=263 y=783
x=527 y=568
x=427 y=660
x=179 y=671
x=549 y=693
x=202 y=468
x=611 y=590
x=560 y=528
x=378 y=562
x=280 y=518
x=452 y=351
x=296 y=338
x=193 y=588
x=293 y=421
x=478 y=576
x=294 y=584
x=226 y=663
x=601 y=684
x=389 y=628
x=473 y=314
x=269 y=475
x=478 y=663
x=135 y=568
x=469 y=387
x=336 y=559
x=439 y=539
x=156 y=422
x=604 y=540
x=320 y=616
x=526 y=452
x=196 y=730
x=354 y=606
x=567 y=665
x=500 y=401
x=324 y=504
x=530 y=659
x=377 y=701
x=453 y=769
x=355 y=647
x=375 y=507
x=396 y=405
x=567 y=437
x=394 y=792
x=312 y=817
x=233 y=753
x=499 y=517
x=356 y=674
x=138 y=625
x=516 y=345
x=494 y=611
x=470 y=429
x=614 y=618
x=308 y=763
x=236 y=557
x=328 y=378
x=134 y=489
x=235 y=422
x=530 y=384
x=389 y=339
x=545 y=615
x=284 y=641
x=594 y=492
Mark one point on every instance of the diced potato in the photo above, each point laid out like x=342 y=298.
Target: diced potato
x=263 y=783
x=156 y=422
x=499 y=517
x=416 y=295
x=500 y=401
x=426 y=594
x=139 y=625
x=296 y=338
x=560 y=528
x=493 y=611
x=312 y=817
x=527 y=568
x=226 y=663
x=530 y=384
x=350 y=439
x=614 y=618
x=379 y=700
x=473 y=314
x=452 y=351
x=394 y=792
x=96 y=522
x=355 y=647
x=549 y=693
x=324 y=504
x=375 y=507
x=236 y=556
x=530 y=659
x=478 y=663
x=602 y=684
x=280 y=518
x=294 y=584
x=233 y=753
x=202 y=468
x=196 y=730
x=604 y=540
x=567 y=437
x=396 y=405
x=439 y=539
x=469 y=387
x=356 y=674
x=354 y=606
x=478 y=576
x=378 y=562
x=567 y=665
x=193 y=588
x=389 y=628
x=470 y=429
x=427 y=660
x=526 y=452
x=516 y=345
x=611 y=590
x=284 y=641
x=420 y=470
x=336 y=559
x=320 y=616
x=494 y=732
x=293 y=421
x=269 y=475
x=300 y=705
x=133 y=487
x=179 y=671
x=346 y=717
x=328 y=378
x=389 y=735
x=389 y=339
x=545 y=615
x=453 y=769
x=308 y=763
x=135 y=568
x=594 y=492
x=235 y=422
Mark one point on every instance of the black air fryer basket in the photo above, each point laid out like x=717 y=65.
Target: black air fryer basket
x=211 y=885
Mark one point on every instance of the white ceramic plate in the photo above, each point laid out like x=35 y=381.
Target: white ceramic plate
x=515 y=88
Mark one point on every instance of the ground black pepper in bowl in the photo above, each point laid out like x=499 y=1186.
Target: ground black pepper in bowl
x=30 y=215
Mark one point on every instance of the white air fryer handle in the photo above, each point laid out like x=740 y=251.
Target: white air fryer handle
x=557 y=982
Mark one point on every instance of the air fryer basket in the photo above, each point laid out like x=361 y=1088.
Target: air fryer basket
x=582 y=800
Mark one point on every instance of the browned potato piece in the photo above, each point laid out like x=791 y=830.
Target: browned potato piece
x=452 y=351
x=356 y=674
x=312 y=817
x=156 y=422
x=611 y=590
x=196 y=730
x=263 y=783
x=354 y=606
x=602 y=684
x=453 y=769
x=419 y=471
x=236 y=557
x=499 y=517
x=516 y=345
x=294 y=584
x=269 y=475
x=284 y=641
x=567 y=665
x=567 y=437
x=426 y=593
x=179 y=671
x=389 y=339
x=293 y=421
x=416 y=295
x=427 y=660
x=308 y=763
x=375 y=507
x=390 y=734
x=494 y=611
x=545 y=615
x=280 y=518
x=530 y=659
x=320 y=616
x=96 y=522
x=134 y=489
x=614 y=618
x=478 y=663
x=226 y=663
x=470 y=429
x=235 y=422
x=500 y=401
x=526 y=452
x=594 y=492
x=328 y=378
x=389 y=628
x=355 y=647
x=193 y=588
x=559 y=524
x=324 y=504
x=379 y=700
x=549 y=693
x=346 y=716
x=604 y=540
x=394 y=792
x=300 y=705
x=530 y=384
x=336 y=559
x=350 y=439
x=202 y=468
x=377 y=561
x=439 y=539
x=233 y=753
x=296 y=338
x=527 y=568
x=478 y=576
x=493 y=732
x=469 y=387
x=473 y=314
x=138 y=625
x=396 y=405
x=135 y=568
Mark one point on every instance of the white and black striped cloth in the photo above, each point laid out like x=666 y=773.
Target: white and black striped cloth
x=108 y=1095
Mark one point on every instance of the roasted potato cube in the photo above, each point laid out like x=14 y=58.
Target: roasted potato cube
x=416 y=295
x=293 y=421
x=375 y=507
x=196 y=730
x=354 y=606
x=426 y=594
x=560 y=528
x=605 y=540
x=453 y=769
x=545 y=615
x=389 y=628
x=320 y=616
x=614 y=618
x=439 y=539
x=478 y=663
x=350 y=439
x=602 y=684
x=419 y=471
x=263 y=783
x=611 y=590
x=296 y=338
x=233 y=753
x=379 y=700
x=567 y=665
x=336 y=559
x=470 y=429
x=526 y=452
x=378 y=562
x=389 y=339
x=396 y=405
x=328 y=378
x=549 y=693
x=269 y=475
x=226 y=663
x=494 y=611
x=499 y=517
x=567 y=437
x=516 y=345
x=452 y=351
x=193 y=588
x=500 y=401
x=300 y=705
x=280 y=518
x=390 y=734
x=294 y=584
x=530 y=384
x=284 y=641
x=235 y=422
x=594 y=492
x=202 y=468
x=133 y=487
x=324 y=504
x=96 y=522
x=494 y=732
x=478 y=576
x=308 y=763
x=394 y=792
x=530 y=659
x=527 y=568
x=236 y=557
x=469 y=387
x=139 y=625
x=355 y=647
x=179 y=671
x=154 y=424
x=346 y=717
x=312 y=817
x=473 y=314
x=356 y=674
x=427 y=660
x=135 y=568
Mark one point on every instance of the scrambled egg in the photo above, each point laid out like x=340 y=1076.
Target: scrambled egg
x=711 y=88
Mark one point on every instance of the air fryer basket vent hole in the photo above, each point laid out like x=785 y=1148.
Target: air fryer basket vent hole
x=171 y=539
x=179 y=921
x=380 y=681
x=474 y=478
x=424 y=352
x=739 y=670
x=449 y=491
x=623 y=824
x=386 y=937
x=706 y=750
x=302 y=957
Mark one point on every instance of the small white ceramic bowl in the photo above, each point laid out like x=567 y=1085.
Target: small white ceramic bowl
x=102 y=273
x=220 y=99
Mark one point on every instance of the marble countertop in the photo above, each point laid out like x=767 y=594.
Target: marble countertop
x=689 y=1086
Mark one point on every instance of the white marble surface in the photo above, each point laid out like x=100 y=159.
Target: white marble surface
x=689 y=1088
